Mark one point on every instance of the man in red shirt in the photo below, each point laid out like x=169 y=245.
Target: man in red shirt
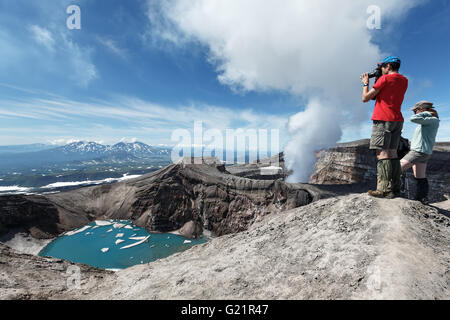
x=389 y=91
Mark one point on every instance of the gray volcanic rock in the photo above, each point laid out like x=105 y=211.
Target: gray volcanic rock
x=191 y=229
x=24 y=276
x=354 y=163
x=349 y=247
x=345 y=163
x=161 y=201
x=256 y=169
x=35 y=215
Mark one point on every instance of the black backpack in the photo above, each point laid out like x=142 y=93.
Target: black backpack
x=403 y=148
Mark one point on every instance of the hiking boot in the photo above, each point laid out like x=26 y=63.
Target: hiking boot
x=396 y=175
x=392 y=195
x=422 y=190
x=386 y=187
x=376 y=193
x=381 y=194
x=384 y=175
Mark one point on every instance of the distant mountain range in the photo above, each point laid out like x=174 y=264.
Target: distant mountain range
x=49 y=168
x=25 y=148
x=18 y=159
x=88 y=149
x=38 y=155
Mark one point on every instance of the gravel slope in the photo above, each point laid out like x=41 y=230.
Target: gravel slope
x=351 y=247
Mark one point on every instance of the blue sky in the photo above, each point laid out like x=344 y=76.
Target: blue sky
x=120 y=78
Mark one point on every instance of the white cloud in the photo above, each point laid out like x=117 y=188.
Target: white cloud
x=82 y=70
x=43 y=36
x=314 y=49
x=56 y=119
x=63 y=141
x=113 y=47
x=128 y=140
x=48 y=50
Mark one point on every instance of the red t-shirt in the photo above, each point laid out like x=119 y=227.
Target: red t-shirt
x=390 y=98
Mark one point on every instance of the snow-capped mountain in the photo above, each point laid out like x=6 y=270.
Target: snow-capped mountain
x=139 y=149
x=82 y=151
x=82 y=147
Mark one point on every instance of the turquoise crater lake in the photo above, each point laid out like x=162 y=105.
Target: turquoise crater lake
x=116 y=244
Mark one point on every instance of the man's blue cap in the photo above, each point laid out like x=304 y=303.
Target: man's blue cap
x=391 y=59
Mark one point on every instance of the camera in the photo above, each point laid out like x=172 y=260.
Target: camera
x=376 y=73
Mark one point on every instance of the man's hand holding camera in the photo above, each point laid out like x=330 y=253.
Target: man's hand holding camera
x=365 y=79
x=366 y=94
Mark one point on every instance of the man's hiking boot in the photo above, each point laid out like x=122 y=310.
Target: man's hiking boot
x=384 y=176
x=386 y=188
x=396 y=175
x=381 y=194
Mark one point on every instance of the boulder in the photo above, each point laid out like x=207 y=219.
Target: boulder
x=191 y=229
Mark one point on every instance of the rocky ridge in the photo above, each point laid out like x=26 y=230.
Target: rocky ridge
x=348 y=247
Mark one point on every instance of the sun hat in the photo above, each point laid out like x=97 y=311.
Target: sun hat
x=423 y=105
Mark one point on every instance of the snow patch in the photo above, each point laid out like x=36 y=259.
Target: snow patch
x=71 y=233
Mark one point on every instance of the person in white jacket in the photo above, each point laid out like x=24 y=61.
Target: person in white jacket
x=422 y=145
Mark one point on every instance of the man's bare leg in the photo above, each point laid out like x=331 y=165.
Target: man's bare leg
x=383 y=154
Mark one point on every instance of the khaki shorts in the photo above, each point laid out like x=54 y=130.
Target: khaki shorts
x=385 y=135
x=417 y=157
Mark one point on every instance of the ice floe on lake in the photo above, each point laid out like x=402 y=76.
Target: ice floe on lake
x=136 y=238
x=103 y=223
x=136 y=243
